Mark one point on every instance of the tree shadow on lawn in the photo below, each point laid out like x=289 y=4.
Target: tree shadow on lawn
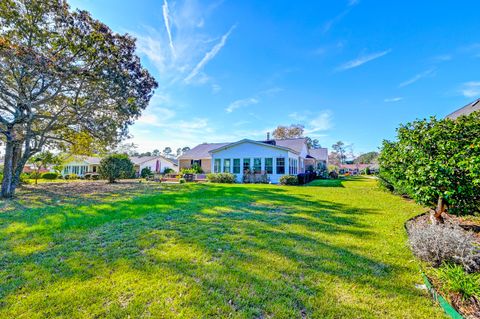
x=250 y=252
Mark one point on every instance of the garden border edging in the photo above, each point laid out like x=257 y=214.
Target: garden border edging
x=444 y=304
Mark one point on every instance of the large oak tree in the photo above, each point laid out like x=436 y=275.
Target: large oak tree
x=64 y=75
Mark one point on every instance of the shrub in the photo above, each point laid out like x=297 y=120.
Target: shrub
x=226 y=178
x=168 y=170
x=116 y=166
x=445 y=243
x=50 y=175
x=333 y=175
x=250 y=177
x=182 y=181
x=289 y=180
x=455 y=279
x=436 y=162
x=92 y=176
x=197 y=169
x=146 y=171
x=71 y=176
x=187 y=171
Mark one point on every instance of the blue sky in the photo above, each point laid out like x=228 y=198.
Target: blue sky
x=347 y=70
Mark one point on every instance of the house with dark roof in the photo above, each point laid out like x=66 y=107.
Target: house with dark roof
x=274 y=157
x=466 y=110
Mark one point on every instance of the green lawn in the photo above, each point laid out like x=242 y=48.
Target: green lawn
x=330 y=250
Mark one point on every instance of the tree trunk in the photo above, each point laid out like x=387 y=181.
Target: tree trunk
x=436 y=215
x=8 y=171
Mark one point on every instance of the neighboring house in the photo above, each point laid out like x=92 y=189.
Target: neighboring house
x=80 y=165
x=199 y=155
x=157 y=164
x=355 y=169
x=467 y=109
x=29 y=168
x=272 y=157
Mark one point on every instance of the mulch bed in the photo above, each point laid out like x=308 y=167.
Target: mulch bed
x=469 y=308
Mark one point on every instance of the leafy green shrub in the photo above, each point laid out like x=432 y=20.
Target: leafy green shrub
x=455 y=279
x=50 y=175
x=25 y=178
x=436 y=162
x=71 y=176
x=116 y=166
x=197 y=169
x=289 y=180
x=187 y=171
x=92 y=176
x=168 y=170
x=225 y=178
x=250 y=177
x=146 y=171
x=182 y=181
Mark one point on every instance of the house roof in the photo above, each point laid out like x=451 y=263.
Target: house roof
x=467 y=109
x=90 y=159
x=276 y=146
x=320 y=154
x=295 y=144
x=201 y=151
x=137 y=160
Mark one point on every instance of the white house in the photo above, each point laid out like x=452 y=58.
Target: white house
x=80 y=165
x=272 y=157
x=157 y=164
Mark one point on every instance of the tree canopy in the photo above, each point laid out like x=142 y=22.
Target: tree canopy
x=367 y=158
x=436 y=162
x=66 y=77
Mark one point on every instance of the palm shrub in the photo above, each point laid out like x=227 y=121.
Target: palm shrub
x=116 y=166
x=455 y=279
x=146 y=171
x=437 y=163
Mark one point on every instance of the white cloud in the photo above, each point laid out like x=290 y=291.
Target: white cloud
x=362 y=60
x=442 y=58
x=216 y=88
x=393 y=99
x=241 y=103
x=166 y=19
x=470 y=89
x=330 y=23
x=180 y=47
x=416 y=77
x=297 y=116
x=321 y=122
x=209 y=55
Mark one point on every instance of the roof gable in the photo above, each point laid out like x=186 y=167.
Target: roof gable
x=201 y=151
x=252 y=142
x=466 y=110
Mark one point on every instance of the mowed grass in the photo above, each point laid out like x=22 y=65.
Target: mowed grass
x=333 y=249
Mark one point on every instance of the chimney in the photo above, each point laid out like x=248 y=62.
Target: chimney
x=268 y=136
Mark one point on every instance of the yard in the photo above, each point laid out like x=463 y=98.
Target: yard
x=334 y=249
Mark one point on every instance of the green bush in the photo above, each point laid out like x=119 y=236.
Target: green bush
x=50 y=175
x=188 y=171
x=71 y=176
x=225 y=178
x=146 y=171
x=92 y=176
x=116 y=166
x=436 y=162
x=289 y=180
x=455 y=279
x=197 y=169
x=182 y=181
x=168 y=170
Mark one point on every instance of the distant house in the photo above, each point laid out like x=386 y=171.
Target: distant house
x=467 y=109
x=157 y=164
x=355 y=169
x=81 y=165
x=272 y=157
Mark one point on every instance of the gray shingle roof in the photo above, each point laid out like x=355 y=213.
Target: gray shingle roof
x=201 y=151
x=295 y=144
x=320 y=154
x=467 y=109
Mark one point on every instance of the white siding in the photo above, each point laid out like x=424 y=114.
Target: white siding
x=251 y=151
x=153 y=165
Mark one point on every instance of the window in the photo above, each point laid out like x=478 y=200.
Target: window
x=246 y=164
x=280 y=165
x=236 y=166
x=216 y=165
x=269 y=165
x=257 y=165
x=293 y=166
x=226 y=165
